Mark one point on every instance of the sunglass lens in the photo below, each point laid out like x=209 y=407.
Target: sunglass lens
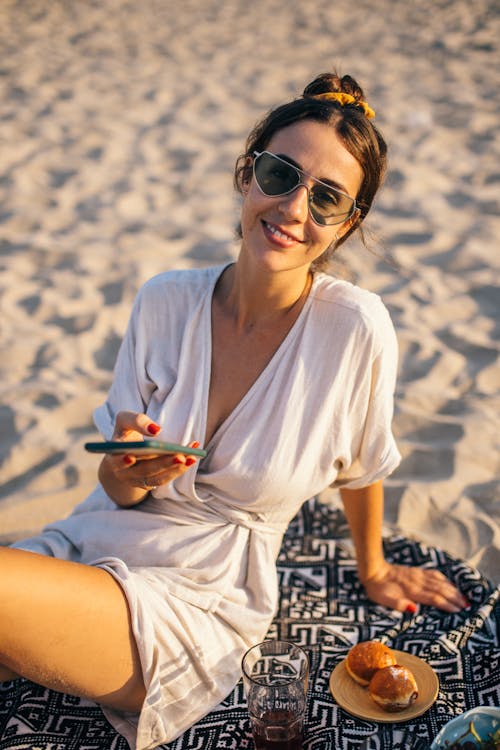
x=274 y=176
x=328 y=204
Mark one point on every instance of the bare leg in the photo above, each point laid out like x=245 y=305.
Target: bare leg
x=67 y=626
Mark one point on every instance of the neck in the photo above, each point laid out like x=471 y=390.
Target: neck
x=260 y=299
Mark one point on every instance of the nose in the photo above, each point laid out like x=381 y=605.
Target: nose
x=295 y=205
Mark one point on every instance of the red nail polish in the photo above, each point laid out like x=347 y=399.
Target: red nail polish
x=411 y=608
x=127 y=460
x=190 y=461
x=195 y=444
x=177 y=460
x=153 y=429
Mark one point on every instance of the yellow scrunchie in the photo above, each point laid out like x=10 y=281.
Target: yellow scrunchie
x=342 y=98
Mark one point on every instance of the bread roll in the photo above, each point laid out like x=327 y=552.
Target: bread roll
x=393 y=688
x=364 y=659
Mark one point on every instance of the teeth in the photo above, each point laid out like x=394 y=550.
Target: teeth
x=277 y=232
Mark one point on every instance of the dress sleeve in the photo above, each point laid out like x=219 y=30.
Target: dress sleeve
x=374 y=453
x=131 y=388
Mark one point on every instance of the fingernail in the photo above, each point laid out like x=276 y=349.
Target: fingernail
x=127 y=460
x=411 y=608
x=467 y=603
x=195 y=444
x=177 y=460
x=153 y=429
x=190 y=461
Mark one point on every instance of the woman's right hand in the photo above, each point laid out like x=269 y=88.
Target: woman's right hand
x=128 y=478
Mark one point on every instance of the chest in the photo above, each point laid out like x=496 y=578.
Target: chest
x=238 y=359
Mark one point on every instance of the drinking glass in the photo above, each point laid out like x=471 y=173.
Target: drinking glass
x=275 y=675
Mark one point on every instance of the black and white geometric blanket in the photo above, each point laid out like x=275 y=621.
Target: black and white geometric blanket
x=324 y=608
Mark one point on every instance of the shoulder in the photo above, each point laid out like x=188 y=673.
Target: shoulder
x=340 y=293
x=184 y=286
x=190 y=280
x=351 y=306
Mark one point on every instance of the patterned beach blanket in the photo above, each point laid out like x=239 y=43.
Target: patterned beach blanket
x=322 y=607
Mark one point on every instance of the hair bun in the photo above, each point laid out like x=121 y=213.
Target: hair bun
x=331 y=83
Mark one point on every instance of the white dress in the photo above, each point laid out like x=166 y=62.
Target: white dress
x=197 y=558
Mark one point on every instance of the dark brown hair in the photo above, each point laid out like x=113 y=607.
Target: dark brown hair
x=358 y=134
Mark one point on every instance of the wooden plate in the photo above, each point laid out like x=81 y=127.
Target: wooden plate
x=356 y=700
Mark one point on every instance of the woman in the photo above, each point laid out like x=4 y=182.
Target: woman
x=166 y=573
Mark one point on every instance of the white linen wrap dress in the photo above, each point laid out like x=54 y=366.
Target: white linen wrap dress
x=196 y=559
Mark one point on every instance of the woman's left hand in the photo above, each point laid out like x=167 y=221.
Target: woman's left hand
x=403 y=588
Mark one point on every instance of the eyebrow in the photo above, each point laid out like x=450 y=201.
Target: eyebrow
x=324 y=180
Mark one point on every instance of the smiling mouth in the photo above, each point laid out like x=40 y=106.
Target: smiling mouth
x=279 y=234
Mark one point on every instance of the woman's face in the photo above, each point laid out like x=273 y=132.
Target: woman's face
x=278 y=232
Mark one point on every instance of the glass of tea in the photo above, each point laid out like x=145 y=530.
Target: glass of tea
x=275 y=676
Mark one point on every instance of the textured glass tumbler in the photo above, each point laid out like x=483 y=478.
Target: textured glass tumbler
x=275 y=675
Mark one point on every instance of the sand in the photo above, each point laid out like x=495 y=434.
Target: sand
x=120 y=124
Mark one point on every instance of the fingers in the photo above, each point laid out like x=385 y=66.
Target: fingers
x=455 y=602
x=190 y=460
x=404 y=588
x=128 y=422
x=434 y=589
x=145 y=473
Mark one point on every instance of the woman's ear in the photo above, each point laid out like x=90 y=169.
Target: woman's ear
x=246 y=175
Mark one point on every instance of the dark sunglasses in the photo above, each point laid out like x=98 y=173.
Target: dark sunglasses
x=275 y=176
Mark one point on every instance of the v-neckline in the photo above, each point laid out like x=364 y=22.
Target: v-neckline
x=208 y=337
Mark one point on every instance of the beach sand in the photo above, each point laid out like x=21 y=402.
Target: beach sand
x=120 y=124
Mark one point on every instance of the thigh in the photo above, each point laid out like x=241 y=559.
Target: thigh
x=67 y=626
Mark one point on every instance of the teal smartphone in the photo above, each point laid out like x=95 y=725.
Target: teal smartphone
x=142 y=447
